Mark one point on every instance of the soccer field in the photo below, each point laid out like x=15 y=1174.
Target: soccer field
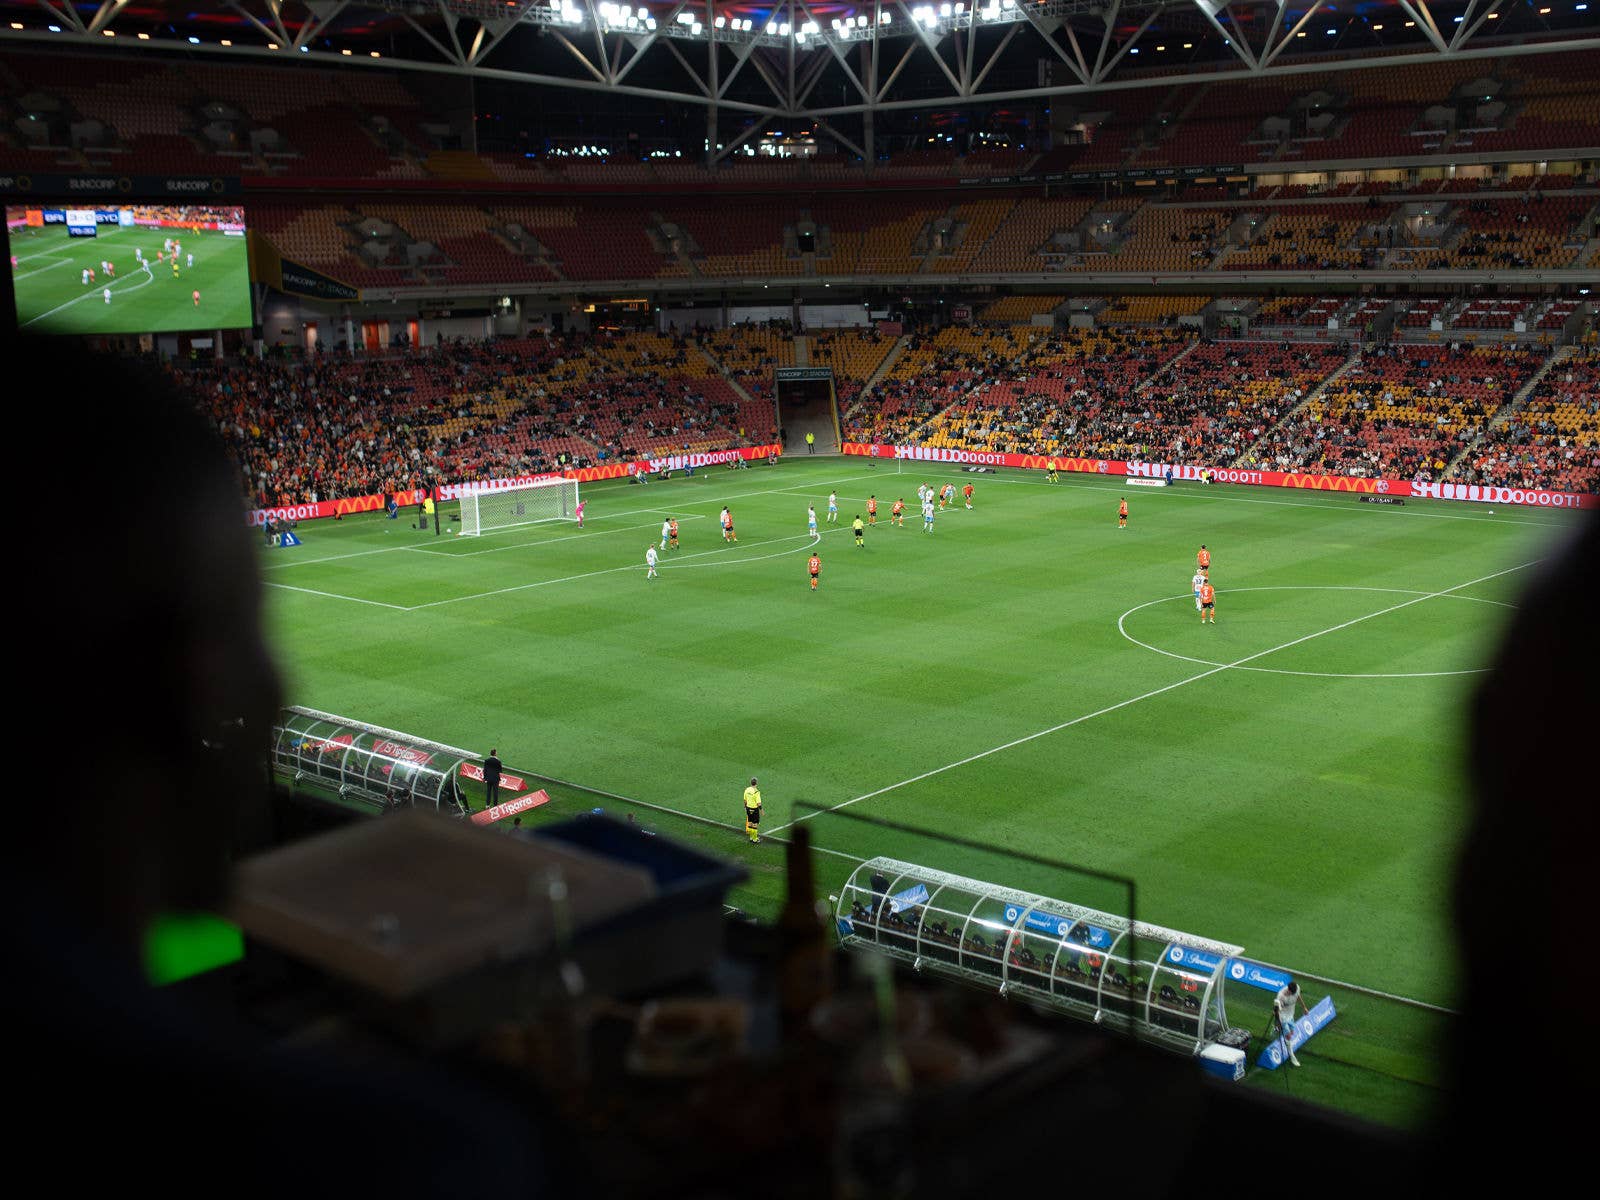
x=1029 y=676
x=52 y=297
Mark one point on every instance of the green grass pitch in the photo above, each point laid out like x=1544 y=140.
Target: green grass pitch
x=52 y=297
x=1029 y=676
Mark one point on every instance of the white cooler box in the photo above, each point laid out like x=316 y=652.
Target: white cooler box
x=1224 y=1062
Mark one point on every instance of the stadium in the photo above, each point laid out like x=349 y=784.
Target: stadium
x=784 y=535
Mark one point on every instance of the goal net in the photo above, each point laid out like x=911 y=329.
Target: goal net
x=529 y=504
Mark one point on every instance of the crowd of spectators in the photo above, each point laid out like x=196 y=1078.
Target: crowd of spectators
x=1552 y=439
x=330 y=425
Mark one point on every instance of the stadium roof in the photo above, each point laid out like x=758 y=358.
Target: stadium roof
x=825 y=61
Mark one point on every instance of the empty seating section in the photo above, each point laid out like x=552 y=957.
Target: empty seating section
x=1015 y=244
x=1549 y=440
x=1019 y=310
x=738 y=238
x=1220 y=124
x=872 y=239
x=1402 y=411
x=854 y=354
x=977 y=222
x=1309 y=237
x=1490 y=314
x=1149 y=310
x=1166 y=238
x=1296 y=310
x=1556 y=105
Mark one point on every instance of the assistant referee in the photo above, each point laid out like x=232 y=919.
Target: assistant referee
x=752 y=811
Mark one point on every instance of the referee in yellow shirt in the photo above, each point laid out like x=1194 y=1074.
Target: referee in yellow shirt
x=752 y=811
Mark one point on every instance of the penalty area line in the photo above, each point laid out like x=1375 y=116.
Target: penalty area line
x=1150 y=695
x=289 y=587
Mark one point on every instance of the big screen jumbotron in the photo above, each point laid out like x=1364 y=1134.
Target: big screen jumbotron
x=140 y=268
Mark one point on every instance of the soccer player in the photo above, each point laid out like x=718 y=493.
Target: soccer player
x=666 y=532
x=947 y=495
x=815 y=567
x=872 y=510
x=1122 y=514
x=897 y=513
x=197 y=298
x=725 y=521
x=1203 y=560
x=860 y=530
x=578 y=512
x=1208 y=603
x=174 y=266
x=927 y=516
x=672 y=532
x=811 y=520
x=86 y=277
x=752 y=803
x=188 y=260
x=107 y=294
x=727 y=530
x=966 y=493
x=1050 y=466
x=650 y=562
x=1199 y=582
x=833 y=508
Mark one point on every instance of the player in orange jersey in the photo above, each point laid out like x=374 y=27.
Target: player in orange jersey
x=897 y=513
x=1208 y=603
x=1203 y=561
x=872 y=510
x=1122 y=514
x=815 y=567
x=966 y=493
x=672 y=533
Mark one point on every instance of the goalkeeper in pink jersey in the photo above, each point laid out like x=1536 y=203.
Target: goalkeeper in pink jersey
x=579 y=512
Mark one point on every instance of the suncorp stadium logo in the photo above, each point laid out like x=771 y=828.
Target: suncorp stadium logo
x=1237 y=970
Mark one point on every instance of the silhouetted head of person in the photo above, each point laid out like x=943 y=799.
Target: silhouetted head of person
x=154 y=693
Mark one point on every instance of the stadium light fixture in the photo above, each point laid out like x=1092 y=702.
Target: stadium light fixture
x=194 y=41
x=1377 y=28
x=226 y=42
x=272 y=45
x=375 y=54
x=54 y=28
x=109 y=32
x=16 y=24
x=346 y=53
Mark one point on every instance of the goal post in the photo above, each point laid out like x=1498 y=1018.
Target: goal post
x=484 y=510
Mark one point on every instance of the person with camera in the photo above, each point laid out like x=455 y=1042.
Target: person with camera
x=1283 y=1006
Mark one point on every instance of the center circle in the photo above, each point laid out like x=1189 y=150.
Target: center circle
x=1206 y=662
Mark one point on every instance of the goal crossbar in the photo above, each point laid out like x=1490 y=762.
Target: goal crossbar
x=484 y=510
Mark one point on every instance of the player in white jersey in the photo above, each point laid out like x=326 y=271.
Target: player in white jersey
x=724 y=520
x=107 y=294
x=811 y=519
x=927 y=516
x=188 y=260
x=833 y=508
x=650 y=562
x=1198 y=580
x=86 y=277
x=666 y=532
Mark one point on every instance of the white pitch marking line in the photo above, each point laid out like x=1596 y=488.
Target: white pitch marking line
x=94 y=295
x=1160 y=691
x=1206 y=662
x=665 y=566
x=306 y=562
x=289 y=587
x=544 y=541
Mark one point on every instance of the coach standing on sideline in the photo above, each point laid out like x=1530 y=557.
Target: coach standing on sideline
x=491 y=778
